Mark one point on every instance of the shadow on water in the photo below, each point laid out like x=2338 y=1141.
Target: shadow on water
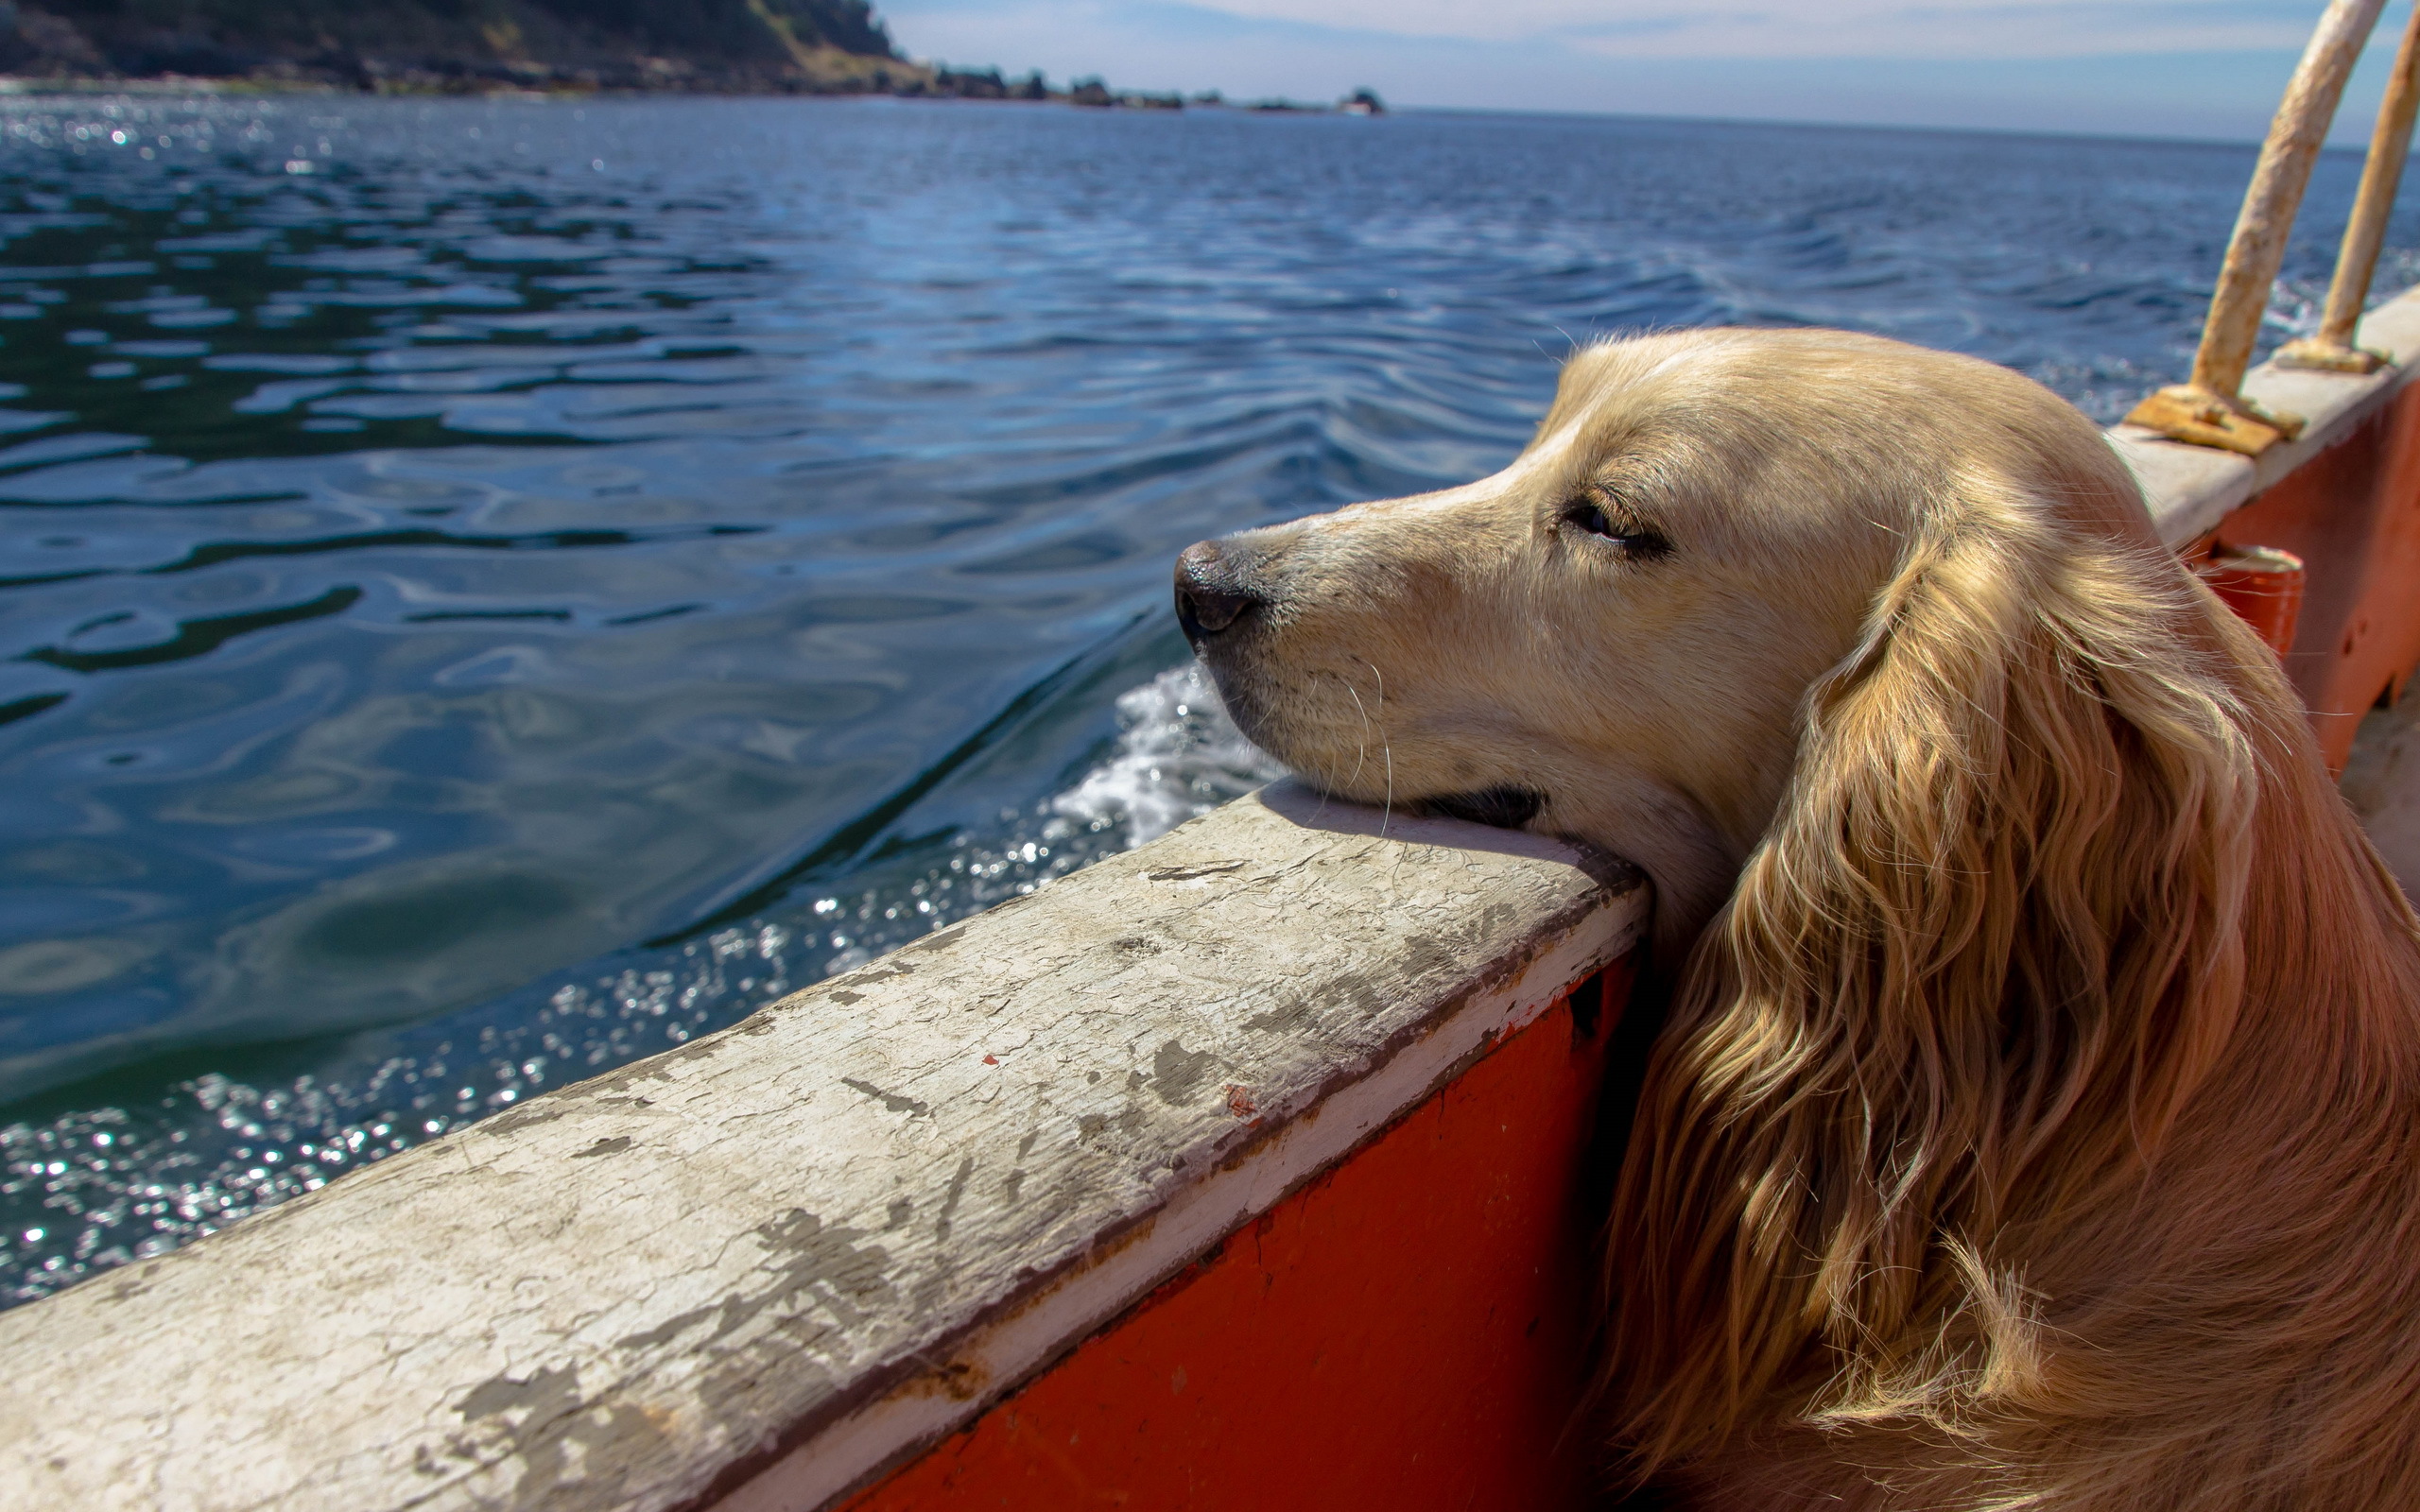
x=449 y=542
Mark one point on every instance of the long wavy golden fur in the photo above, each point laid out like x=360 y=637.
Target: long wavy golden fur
x=2036 y=1124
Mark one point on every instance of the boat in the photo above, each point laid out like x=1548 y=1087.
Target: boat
x=1256 y=1166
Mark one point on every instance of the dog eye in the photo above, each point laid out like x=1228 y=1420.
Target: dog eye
x=1588 y=513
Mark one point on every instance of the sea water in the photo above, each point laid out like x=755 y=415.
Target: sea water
x=490 y=589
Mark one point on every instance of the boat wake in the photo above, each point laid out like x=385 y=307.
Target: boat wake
x=1178 y=757
x=102 y=1178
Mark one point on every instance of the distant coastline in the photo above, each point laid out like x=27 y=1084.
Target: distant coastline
x=551 y=46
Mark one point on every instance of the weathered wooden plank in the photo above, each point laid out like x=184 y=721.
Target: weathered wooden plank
x=851 y=1219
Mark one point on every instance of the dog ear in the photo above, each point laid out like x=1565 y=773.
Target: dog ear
x=1992 y=943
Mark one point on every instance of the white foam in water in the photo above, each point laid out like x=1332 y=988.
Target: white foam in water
x=1179 y=756
x=93 y=1188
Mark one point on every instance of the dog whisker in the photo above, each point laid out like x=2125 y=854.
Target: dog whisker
x=1362 y=756
x=1385 y=749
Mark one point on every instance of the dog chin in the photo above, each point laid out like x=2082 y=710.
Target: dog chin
x=1248 y=712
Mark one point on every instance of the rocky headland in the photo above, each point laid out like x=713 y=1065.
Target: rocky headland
x=416 y=47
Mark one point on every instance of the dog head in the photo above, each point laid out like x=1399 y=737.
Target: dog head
x=1616 y=637
x=2024 y=933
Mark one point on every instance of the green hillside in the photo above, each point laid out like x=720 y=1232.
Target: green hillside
x=805 y=45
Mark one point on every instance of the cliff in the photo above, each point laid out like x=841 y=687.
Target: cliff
x=812 y=46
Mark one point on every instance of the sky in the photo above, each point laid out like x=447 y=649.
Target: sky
x=2208 y=69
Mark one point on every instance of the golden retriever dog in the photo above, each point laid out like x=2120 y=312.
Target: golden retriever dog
x=2036 y=1119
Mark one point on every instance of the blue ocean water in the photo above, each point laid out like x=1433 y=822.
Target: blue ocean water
x=490 y=589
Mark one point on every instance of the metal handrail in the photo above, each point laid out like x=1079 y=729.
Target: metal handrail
x=2210 y=409
x=2357 y=261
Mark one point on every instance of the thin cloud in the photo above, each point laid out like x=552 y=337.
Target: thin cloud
x=1817 y=28
x=2211 y=69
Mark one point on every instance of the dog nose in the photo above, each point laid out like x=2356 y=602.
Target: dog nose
x=1211 y=593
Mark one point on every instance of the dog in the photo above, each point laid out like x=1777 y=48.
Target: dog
x=2035 y=1121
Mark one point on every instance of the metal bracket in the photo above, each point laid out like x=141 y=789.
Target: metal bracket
x=2319 y=355
x=2183 y=412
